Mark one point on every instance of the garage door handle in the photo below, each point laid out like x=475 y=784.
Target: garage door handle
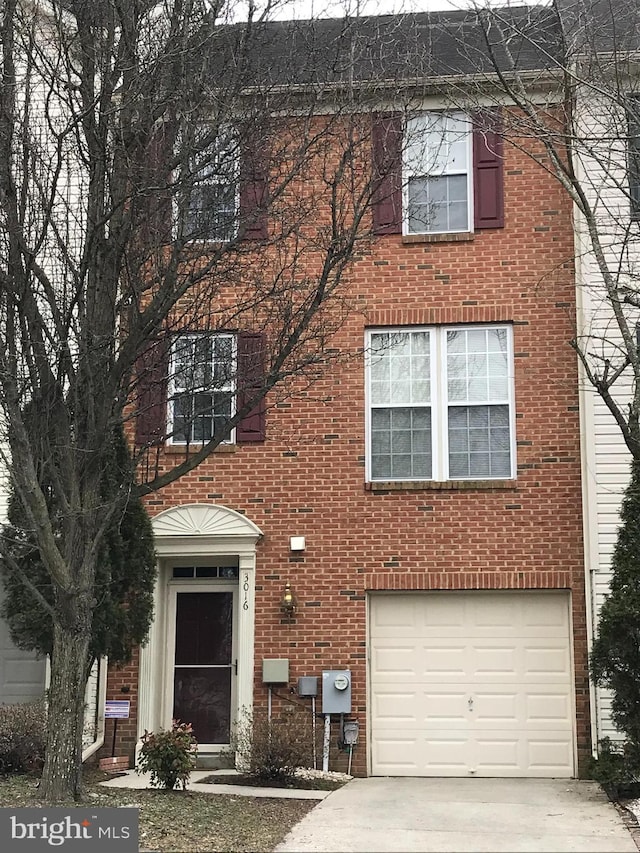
x=471 y=703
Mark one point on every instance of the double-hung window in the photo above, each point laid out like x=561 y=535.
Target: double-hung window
x=438 y=181
x=213 y=191
x=202 y=387
x=633 y=154
x=440 y=404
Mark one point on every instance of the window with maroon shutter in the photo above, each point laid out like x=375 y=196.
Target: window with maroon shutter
x=386 y=135
x=447 y=171
x=488 y=183
x=151 y=371
x=251 y=366
x=202 y=387
x=254 y=190
x=437 y=173
x=211 y=204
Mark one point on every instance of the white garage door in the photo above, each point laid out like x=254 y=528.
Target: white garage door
x=471 y=683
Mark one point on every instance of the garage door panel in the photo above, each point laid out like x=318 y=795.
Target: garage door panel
x=549 y=756
x=548 y=708
x=547 y=662
x=480 y=682
x=445 y=706
x=395 y=706
x=394 y=660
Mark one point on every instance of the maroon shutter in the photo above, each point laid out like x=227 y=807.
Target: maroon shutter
x=155 y=206
x=251 y=355
x=254 y=191
x=488 y=162
x=152 y=369
x=386 y=135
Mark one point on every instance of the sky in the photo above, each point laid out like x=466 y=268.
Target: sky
x=301 y=9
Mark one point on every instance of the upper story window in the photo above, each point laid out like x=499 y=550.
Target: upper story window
x=440 y=404
x=633 y=153
x=188 y=386
x=202 y=387
x=213 y=201
x=437 y=173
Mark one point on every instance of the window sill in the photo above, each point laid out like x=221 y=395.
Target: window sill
x=442 y=486
x=457 y=237
x=194 y=447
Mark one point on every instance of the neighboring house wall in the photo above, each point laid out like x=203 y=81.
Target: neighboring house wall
x=22 y=674
x=368 y=543
x=602 y=171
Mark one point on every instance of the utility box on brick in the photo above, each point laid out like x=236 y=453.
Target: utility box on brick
x=275 y=671
x=336 y=691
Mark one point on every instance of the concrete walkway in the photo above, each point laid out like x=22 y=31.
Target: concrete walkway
x=459 y=815
x=133 y=779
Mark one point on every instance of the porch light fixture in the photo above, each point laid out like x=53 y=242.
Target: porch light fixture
x=288 y=603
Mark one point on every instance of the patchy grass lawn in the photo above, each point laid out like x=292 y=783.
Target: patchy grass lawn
x=183 y=821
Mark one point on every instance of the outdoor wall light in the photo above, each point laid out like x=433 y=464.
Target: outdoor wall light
x=288 y=603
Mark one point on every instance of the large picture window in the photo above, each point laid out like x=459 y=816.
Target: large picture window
x=440 y=403
x=202 y=387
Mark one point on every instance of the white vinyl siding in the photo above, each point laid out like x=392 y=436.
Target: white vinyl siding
x=605 y=169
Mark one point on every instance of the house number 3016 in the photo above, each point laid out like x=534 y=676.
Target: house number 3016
x=245 y=587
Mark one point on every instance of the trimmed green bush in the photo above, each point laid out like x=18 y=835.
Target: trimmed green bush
x=169 y=755
x=22 y=736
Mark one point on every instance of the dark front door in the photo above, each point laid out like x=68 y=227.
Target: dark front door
x=203 y=664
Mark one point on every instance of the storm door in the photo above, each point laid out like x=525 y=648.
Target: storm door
x=204 y=663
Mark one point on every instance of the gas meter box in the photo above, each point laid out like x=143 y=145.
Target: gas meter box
x=336 y=691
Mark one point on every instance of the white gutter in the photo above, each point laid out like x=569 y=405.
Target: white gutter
x=101 y=696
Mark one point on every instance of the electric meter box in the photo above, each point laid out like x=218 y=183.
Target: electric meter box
x=336 y=691
x=308 y=685
x=275 y=671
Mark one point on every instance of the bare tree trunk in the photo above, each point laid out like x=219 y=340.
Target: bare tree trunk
x=62 y=773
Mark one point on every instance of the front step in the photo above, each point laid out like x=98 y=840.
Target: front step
x=215 y=761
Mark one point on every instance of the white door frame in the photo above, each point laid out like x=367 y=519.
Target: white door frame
x=197 y=531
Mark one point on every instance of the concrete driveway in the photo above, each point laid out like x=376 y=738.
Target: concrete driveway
x=457 y=815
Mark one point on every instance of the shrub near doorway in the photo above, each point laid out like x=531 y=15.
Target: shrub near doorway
x=169 y=755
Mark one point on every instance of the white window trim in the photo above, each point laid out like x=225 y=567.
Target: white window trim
x=211 y=181
x=408 y=173
x=439 y=403
x=172 y=387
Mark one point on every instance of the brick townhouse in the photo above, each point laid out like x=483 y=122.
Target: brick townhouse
x=409 y=525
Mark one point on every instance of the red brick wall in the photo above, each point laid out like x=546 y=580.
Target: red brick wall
x=307 y=479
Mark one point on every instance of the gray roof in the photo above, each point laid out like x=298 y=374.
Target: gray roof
x=403 y=47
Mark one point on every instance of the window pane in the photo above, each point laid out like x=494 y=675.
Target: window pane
x=401 y=443
x=479 y=441
x=401 y=467
x=438 y=204
x=400 y=419
x=401 y=392
x=381 y=419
